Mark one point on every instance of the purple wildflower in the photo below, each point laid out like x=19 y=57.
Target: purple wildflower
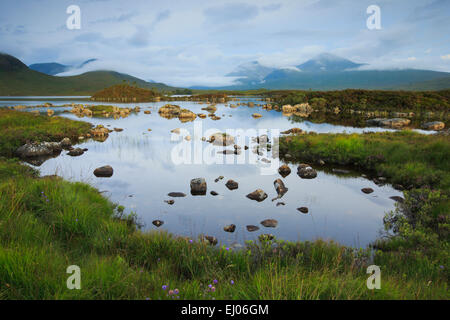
x=164 y=287
x=215 y=281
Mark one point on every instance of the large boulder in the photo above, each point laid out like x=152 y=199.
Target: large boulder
x=104 y=172
x=30 y=150
x=305 y=171
x=198 y=187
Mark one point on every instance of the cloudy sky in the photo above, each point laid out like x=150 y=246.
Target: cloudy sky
x=197 y=42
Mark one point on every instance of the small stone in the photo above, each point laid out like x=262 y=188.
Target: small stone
x=258 y=195
x=251 y=228
x=198 y=187
x=367 y=190
x=169 y=201
x=284 y=170
x=232 y=185
x=214 y=193
x=230 y=228
x=211 y=240
x=158 y=223
x=397 y=199
x=269 y=223
x=176 y=194
x=303 y=209
x=104 y=172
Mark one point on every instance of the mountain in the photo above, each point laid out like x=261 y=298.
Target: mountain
x=250 y=73
x=327 y=62
x=53 y=68
x=330 y=72
x=50 y=68
x=16 y=79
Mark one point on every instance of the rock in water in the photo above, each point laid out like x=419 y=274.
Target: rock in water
x=230 y=228
x=269 y=223
x=251 y=228
x=30 y=150
x=280 y=188
x=214 y=193
x=284 y=170
x=169 y=201
x=198 y=187
x=158 y=223
x=258 y=195
x=75 y=152
x=66 y=143
x=104 y=172
x=305 y=171
x=367 y=190
x=211 y=240
x=231 y=184
x=266 y=237
x=435 y=125
x=176 y=194
x=303 y=209
x=397 y=199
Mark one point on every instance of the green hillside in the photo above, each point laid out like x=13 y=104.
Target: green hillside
x=16 y=79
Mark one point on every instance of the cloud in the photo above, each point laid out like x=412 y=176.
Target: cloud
x=230 y=13
x=445 y=57
x=272 y=7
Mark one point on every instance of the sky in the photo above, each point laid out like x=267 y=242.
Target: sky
x=198 y=42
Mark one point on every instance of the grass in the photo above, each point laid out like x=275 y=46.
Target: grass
x=48 y=224
x=405 y=157
x=19 y=127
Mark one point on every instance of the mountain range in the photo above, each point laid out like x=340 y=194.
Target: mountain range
x=330 y=72
x=324 y=72
x=16 y=79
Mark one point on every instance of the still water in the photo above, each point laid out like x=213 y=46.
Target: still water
x=144 y=173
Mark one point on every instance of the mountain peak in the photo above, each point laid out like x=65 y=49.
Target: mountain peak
x=10 y=63
x=327 y=62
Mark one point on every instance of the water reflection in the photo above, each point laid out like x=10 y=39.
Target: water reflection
x=144 y=174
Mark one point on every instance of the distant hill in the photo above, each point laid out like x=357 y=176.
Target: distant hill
x=17 y=79
x=251 y=73
x=53 y=68
x=50 y=68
